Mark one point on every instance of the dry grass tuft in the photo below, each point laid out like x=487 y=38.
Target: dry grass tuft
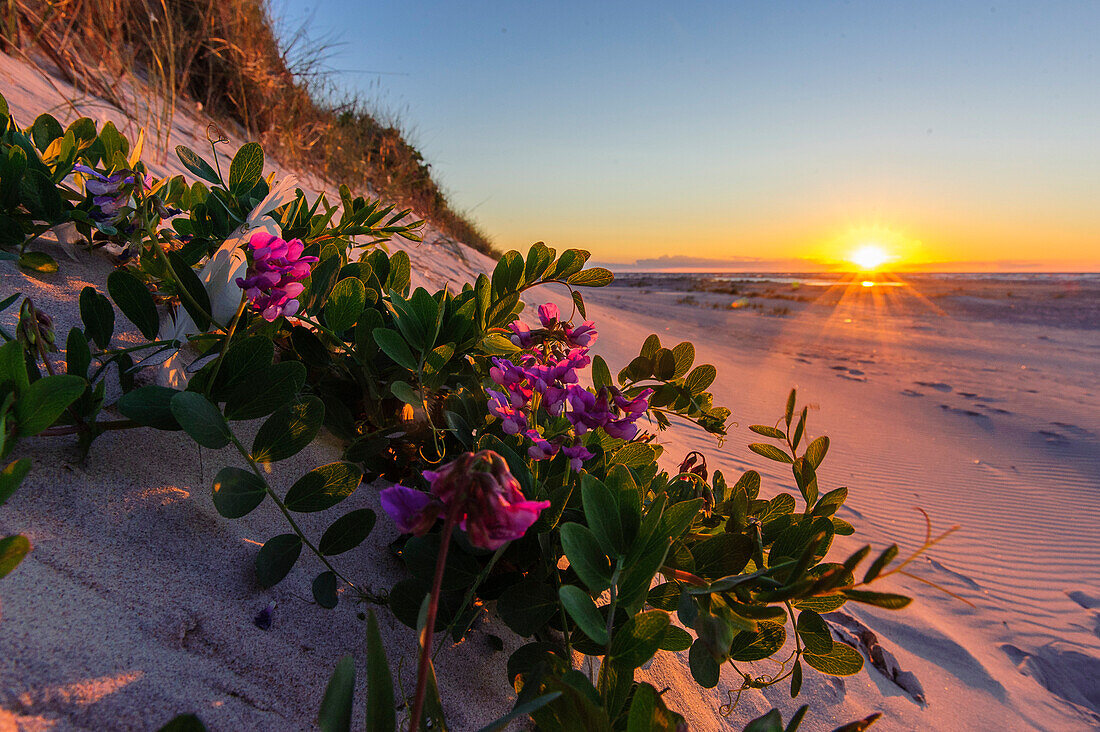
x=227 y=56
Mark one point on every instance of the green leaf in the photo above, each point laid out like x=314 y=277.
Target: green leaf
x=78 y=357
x=770 y=722
x=323 y=487
x=380 y=709
x=421 y=556
x=12 y=476
x=241 y=365
x=755 y=646
x=38 y=262
x=526 y=606
x=722 y=555
x=406 y=393
x=135 y=301
x=394 y=346
x=41 y=403
x=266 y=391
x=815 y=451
x=12 y=551
x=762 y=429
x=771 y=452
x=675 y=639
x=288 y=430
x=201 y=420
x=345 y=304
x=184 y=723
x=519 y=711
x=601 y=375
x=44 y=130
x=276 y=558
x=197 y=165
x=700 y=378
x=246 y=169
x=324 y=590
x=335 y=714
x=601 y=510
x=887 y=600
x=237 y=492
x=347 y=532
x=638 y=639
x=583 y=612
x=592 y=277
x=151 y=406
x=97 y=315
x=704 y=669
x=684 y=355
x=880 y=563
x=842 y=660
x=634 y=455
x=586 y=557
x=814 y=633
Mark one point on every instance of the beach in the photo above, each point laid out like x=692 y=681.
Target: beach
x=974 y=400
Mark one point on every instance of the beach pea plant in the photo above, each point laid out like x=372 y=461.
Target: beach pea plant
x=526 y=481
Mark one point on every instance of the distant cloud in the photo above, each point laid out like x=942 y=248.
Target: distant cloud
x=685 y=263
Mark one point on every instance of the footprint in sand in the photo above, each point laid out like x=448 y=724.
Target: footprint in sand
x=963 y=412
x=937 y=385
x=1073 y=429
x=1064 y=670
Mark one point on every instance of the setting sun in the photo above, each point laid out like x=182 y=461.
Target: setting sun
x=869 y=257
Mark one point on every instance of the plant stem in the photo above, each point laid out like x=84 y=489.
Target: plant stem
x=470 y=592
x=429 y=620
x=225 y=346
x=294 y=524
x=117 y=424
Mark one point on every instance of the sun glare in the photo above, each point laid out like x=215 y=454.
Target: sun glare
x=869 y=257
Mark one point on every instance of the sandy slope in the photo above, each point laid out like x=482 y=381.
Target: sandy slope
x=137 y=600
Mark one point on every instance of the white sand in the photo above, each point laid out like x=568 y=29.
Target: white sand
x=136 y=602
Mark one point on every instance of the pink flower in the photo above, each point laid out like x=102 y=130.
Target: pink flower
x=479 y=488
x=581 y=336
x=549 y=315
x=273 y=280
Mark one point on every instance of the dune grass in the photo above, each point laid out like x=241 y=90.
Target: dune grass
x=230 y=58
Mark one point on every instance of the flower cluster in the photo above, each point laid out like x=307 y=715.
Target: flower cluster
x=545 y=376
x=483 y=494
x=110 y=193
x=273 y=280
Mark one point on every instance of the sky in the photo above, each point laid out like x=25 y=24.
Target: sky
x=958 y=136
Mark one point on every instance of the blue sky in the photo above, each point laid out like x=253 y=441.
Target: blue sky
x=949 y=131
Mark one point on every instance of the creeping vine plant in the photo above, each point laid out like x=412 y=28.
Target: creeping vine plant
x=580 y=542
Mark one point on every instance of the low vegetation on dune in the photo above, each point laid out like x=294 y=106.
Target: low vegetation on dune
x=518 y=490
x=228 y=57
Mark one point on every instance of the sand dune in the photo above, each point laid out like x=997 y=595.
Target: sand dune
x=137 y=601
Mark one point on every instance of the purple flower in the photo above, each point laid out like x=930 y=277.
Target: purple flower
x=273 y=280
x=521 y=334
x=549 y=315
x=413 y=511
x=480 y=490
x=541 y=449
x=577 y=454
x=581 y=336
x=500 y=405
x=110 y=193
